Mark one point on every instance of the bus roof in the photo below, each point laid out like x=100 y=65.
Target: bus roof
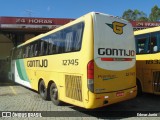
x=148 y=30
x=64 y=26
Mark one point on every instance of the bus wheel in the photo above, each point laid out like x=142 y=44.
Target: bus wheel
x=42 y=90
x=54 y=94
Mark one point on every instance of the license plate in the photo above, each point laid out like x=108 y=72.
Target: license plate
x=120 y=93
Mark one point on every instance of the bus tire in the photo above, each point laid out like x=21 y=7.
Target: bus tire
x=54 y=94
x=42 y=90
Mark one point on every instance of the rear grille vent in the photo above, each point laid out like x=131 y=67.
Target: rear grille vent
x=156 y=81
x=73 y=85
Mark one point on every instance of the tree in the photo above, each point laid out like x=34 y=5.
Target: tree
x=127 y=15
x=132 y=15
x=155 y=14
x=143 y=19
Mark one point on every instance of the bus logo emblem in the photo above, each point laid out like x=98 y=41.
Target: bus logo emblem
x=117 y=27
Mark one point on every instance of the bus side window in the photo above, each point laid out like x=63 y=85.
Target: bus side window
x=58 y=42
x=58 y=47
x=27 y=51
x=142 y=44
x=35 y=51
x=19 y=53
x=44 y=48
x=41 y=48
x=152 y=45
x=154 y=42
x=78 y=39
x=24 y=52
x=51 y=46
x=69 y=42
x=53 y=43
x=31 y=51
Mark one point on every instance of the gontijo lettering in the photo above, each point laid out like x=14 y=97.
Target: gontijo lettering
x=115 y=52
x=37 y=63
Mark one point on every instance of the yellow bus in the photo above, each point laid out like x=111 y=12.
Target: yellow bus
x=89 y=62
x=148 y=62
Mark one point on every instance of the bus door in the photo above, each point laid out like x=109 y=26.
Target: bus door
x=147 y=80
x=150 y=74
x=156 y=80
x=154 y=46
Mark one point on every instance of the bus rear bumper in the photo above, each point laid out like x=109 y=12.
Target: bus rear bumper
x=104 y=99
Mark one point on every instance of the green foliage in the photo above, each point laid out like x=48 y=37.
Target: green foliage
x=136 y=15
x=155 y=14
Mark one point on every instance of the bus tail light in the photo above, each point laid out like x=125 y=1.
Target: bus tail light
x=90 y=75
